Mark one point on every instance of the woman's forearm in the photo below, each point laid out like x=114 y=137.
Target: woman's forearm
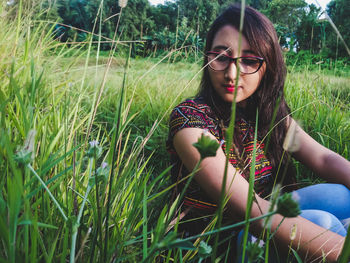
x=336 y=169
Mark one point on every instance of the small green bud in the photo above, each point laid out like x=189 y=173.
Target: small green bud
x=25 y=154
x=206 y=146
x=101 y=175
x=287 y=206
x=23 y=157
x=94 y=150
x=204 y=250
x=254 y=252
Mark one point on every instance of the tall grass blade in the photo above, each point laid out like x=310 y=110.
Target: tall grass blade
x=251 y=192
x=345 y=254
x=144 y=229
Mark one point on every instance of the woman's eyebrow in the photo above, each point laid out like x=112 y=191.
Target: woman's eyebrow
x=228 y=49
x=219 y=47
x=248 y=51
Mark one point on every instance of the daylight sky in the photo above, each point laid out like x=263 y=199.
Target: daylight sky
x=323 y=3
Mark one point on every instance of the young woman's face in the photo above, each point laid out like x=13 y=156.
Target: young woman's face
x=226 y=42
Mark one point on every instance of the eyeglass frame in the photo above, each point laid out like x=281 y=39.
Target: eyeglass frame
x=234 y=60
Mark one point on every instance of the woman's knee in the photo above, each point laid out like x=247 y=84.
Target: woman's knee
x=333 y=198
x=325 y=220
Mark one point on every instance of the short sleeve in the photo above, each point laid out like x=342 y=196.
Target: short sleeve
x=190 y=114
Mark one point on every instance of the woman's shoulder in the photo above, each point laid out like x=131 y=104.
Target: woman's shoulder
x=192 y=106
x=197 y=102
x=192 y=113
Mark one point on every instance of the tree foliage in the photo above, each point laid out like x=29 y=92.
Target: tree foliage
x=185 y=22
x=73 y=14
x=338 y=11
x=309 y=31
x=286 y=16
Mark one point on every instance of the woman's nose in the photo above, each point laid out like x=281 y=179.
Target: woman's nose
x=231 y=71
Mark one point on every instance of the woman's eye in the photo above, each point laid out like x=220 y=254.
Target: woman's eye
x=250 y=61
x=222 y=58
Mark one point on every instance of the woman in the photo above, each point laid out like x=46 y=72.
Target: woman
x=255 y=72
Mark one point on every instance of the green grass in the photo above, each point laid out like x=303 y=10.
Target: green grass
x=321 y=103
x=55 y=90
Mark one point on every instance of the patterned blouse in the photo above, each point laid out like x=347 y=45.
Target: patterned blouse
x=195 y=113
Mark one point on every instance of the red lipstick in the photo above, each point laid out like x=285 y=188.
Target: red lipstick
x=229 y=88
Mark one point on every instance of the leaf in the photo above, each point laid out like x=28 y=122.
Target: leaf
x=182 y=244
x=345 y=254
x=297 y=256
x=29 y=222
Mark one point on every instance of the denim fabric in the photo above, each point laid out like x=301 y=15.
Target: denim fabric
x=332 y=198
x=327 y=205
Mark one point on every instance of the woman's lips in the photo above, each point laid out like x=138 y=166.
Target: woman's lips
x=229 y=88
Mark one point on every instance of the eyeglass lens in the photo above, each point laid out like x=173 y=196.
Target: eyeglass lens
x=247 y=65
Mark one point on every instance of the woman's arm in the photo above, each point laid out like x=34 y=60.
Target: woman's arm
x=327 y=164
x=311 y=240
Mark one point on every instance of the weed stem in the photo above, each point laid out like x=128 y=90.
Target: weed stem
x=77 y=222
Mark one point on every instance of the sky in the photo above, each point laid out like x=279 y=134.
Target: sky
x=155 y=2
x=323 y=3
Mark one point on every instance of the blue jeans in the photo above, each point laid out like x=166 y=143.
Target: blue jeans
x=327 y=205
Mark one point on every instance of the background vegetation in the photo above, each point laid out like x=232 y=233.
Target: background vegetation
x=185 y=22
x=85 y=92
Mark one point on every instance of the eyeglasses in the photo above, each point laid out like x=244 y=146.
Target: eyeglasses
x=247 y=65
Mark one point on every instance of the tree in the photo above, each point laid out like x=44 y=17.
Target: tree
x=85 y=14
x=286 y=16
x=338 y=11
x=164 y=16
x=135 y=22
x=309 y=30
x=73 y=14
x=199 y=13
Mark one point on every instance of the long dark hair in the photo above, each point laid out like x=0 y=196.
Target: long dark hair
x=269 y=96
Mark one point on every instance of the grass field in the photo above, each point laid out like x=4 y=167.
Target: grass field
x=107 y=201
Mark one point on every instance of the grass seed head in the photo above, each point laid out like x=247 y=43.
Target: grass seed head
x=122 y=3
x=293 y=232
x=291 y=142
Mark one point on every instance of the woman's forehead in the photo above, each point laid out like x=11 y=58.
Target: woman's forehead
x=227 y=38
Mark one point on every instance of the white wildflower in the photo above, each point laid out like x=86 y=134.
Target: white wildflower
x=295 y=196
x=93 y=143
x=10 y=2
x=104 y=165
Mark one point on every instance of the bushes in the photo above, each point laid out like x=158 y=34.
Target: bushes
x=322 y=61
